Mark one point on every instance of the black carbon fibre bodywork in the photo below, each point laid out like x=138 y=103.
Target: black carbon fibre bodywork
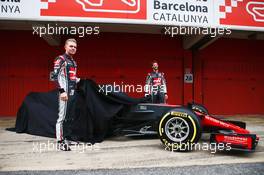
x=141 y=119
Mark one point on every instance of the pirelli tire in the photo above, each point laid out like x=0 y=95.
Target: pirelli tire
x=179 y=130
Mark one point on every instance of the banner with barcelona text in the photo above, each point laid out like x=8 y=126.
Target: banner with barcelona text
x=235 y=14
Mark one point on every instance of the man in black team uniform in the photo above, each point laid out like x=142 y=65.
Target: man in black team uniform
x=64 y=75
x=156 y=85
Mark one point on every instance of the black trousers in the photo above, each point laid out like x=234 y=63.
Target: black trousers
x=158 y=97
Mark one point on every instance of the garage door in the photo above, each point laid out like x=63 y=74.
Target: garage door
x=113 y=57
x=233 y=77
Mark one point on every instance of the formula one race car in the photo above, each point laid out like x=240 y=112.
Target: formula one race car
x=96 y=115
x=178 y=126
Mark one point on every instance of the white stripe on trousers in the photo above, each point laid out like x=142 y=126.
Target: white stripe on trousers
x=62 y=115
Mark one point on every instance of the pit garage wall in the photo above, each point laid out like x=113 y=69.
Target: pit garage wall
x=229 y=77
x=122 y=58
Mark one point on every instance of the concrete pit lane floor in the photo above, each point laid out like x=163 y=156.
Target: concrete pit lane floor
x=26 y=154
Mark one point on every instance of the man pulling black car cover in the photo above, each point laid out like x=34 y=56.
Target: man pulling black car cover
x=156 y=85
x=64 y=75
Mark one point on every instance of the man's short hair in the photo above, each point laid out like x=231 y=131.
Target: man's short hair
x=71 y=40
x=154 y=61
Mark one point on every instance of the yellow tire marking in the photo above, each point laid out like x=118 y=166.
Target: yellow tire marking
x=194 y=128
x=160 y=131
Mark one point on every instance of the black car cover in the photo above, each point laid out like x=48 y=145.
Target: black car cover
x=93 y=112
